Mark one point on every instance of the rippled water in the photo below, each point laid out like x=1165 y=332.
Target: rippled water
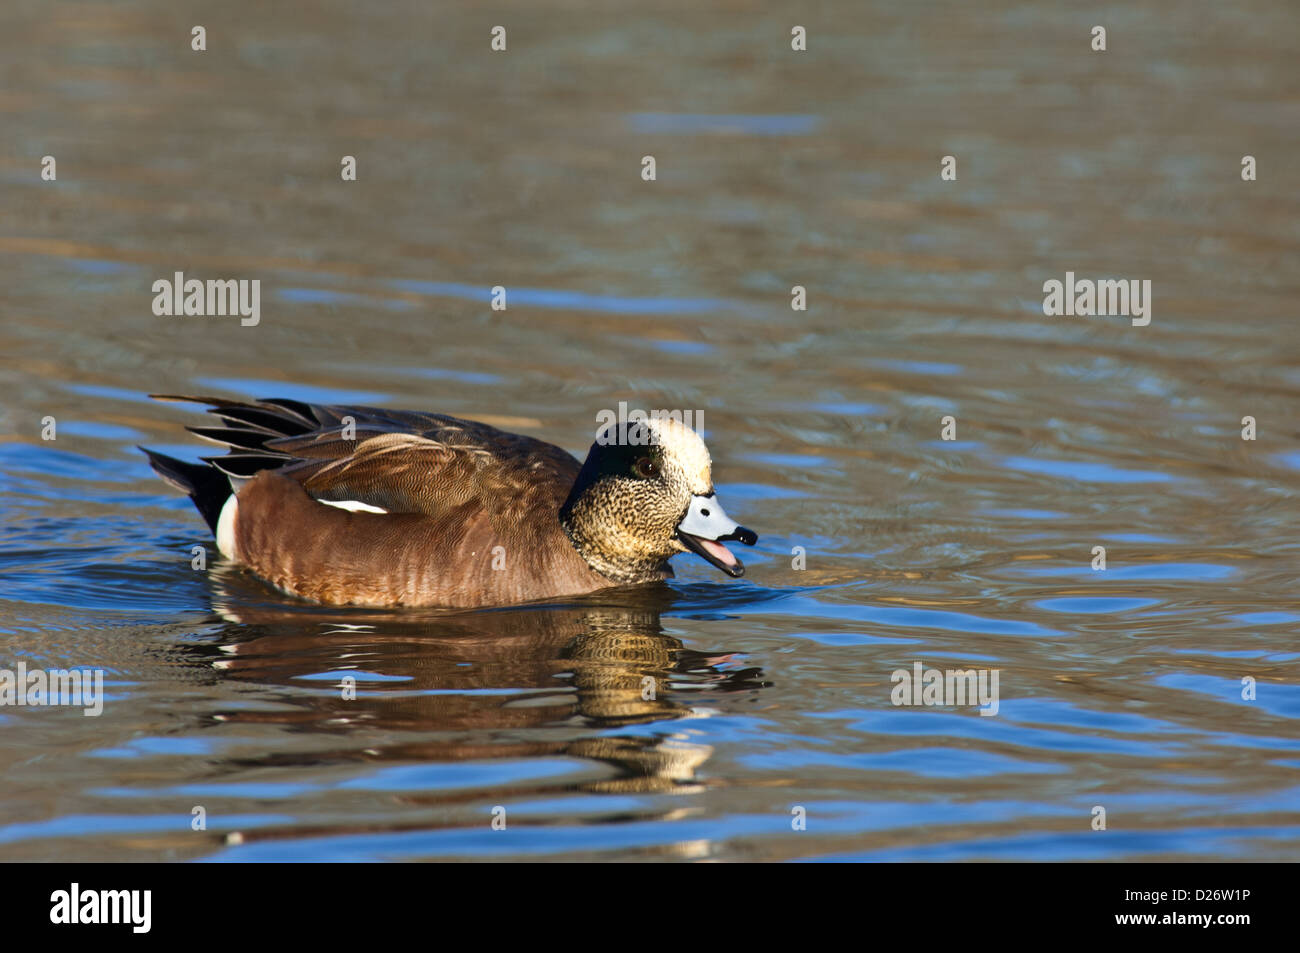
x=1119 y=688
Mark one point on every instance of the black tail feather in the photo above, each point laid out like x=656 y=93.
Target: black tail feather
x=234 y=437
x=208 y=488
x=280 y=418
x=245 y=466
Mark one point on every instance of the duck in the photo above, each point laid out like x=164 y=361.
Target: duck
x=365 y=506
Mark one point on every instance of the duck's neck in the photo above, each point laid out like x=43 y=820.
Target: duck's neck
x=583 y=529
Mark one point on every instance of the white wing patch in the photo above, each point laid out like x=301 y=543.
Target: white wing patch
x=353 y=506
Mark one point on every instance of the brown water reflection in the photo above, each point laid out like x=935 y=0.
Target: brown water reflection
x=483 y=682
x=602 y=665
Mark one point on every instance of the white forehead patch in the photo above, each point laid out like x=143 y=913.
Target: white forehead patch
x=683 y=449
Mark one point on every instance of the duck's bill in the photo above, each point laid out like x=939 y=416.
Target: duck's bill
x=704 y=529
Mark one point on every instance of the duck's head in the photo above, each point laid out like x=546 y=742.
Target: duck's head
x=645 y=493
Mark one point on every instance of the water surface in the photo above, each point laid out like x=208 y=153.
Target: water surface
x=1119 y=688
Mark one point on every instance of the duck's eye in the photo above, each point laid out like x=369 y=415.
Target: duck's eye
x=645 y=467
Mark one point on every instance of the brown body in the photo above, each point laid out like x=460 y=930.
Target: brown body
x=329 y=555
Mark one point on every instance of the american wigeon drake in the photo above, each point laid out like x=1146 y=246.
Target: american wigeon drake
x=371 y=507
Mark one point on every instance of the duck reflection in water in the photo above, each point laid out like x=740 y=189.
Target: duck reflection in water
x=519 y=682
